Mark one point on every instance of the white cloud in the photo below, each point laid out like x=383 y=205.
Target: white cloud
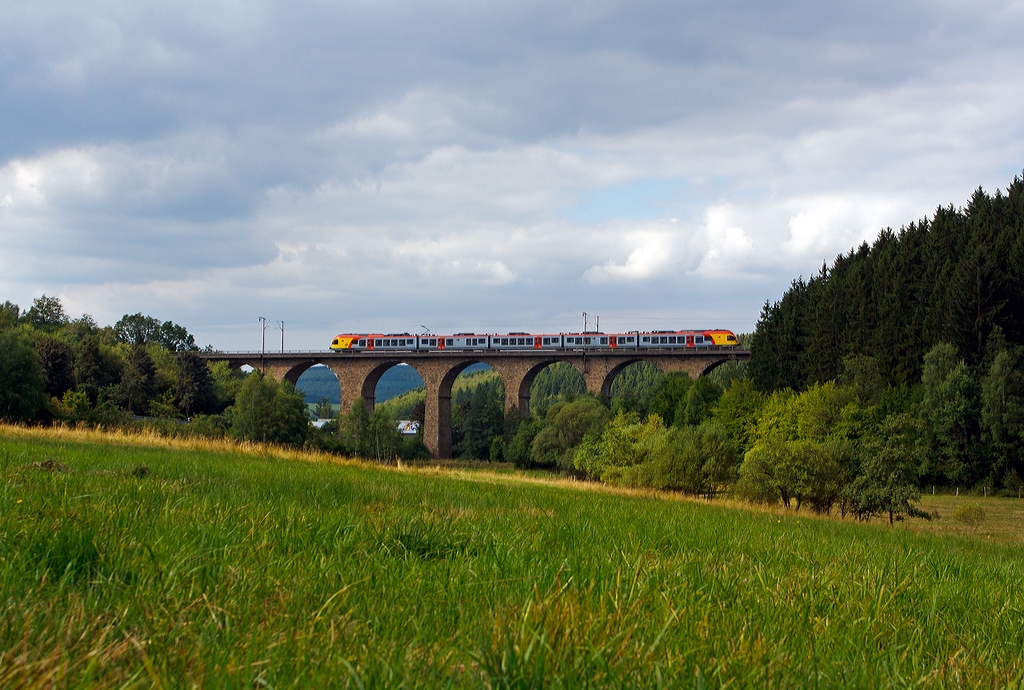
x=729 y=248
x=207 y=162
x=651 y=255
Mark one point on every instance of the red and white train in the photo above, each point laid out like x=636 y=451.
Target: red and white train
x=655 y=340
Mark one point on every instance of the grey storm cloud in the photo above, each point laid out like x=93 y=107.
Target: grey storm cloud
x=481 y=165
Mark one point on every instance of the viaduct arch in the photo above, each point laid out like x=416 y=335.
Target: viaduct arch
x=359 y=372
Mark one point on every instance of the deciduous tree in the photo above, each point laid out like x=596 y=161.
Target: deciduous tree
x=22 y=388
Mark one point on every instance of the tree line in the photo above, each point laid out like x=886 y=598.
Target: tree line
x=143 y=372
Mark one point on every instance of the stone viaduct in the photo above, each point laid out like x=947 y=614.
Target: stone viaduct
x=358 y=373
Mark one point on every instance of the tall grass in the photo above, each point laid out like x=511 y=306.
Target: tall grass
x=217 y=567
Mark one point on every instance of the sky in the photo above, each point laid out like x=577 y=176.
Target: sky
x=398 y=166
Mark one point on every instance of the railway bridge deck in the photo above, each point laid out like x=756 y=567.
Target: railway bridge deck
x=359 y=372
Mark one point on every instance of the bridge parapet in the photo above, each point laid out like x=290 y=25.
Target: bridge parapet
x=358 y=374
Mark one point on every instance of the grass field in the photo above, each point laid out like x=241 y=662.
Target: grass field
x=137 y=562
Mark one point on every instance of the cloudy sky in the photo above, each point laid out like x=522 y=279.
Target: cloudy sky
x=481 y=166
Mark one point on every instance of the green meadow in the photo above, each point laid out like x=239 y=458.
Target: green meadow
x=145 y=563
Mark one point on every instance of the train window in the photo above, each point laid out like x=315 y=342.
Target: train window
x=629 y=339
x=376 y=343
x=671 y=340
x=547 y=341
x=647 y=339
x=664 y=340
x=520 y=341
x=604 y=341
x=448 y=341
x=730 y=338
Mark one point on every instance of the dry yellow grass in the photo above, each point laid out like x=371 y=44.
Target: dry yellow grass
x=150 y=439
x=1003 y=521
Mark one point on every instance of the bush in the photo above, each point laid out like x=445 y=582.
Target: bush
x=970 y=514
x=520 y=448
x=568 y=424
x=269 y=412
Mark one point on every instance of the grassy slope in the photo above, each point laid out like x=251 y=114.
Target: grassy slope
x=222 y=568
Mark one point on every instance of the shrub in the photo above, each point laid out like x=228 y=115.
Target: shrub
x=970 y=514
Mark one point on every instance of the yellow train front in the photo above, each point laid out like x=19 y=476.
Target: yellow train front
x=350 y=341
x=722 y=338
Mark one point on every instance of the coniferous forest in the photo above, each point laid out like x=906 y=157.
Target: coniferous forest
x=955 y=278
